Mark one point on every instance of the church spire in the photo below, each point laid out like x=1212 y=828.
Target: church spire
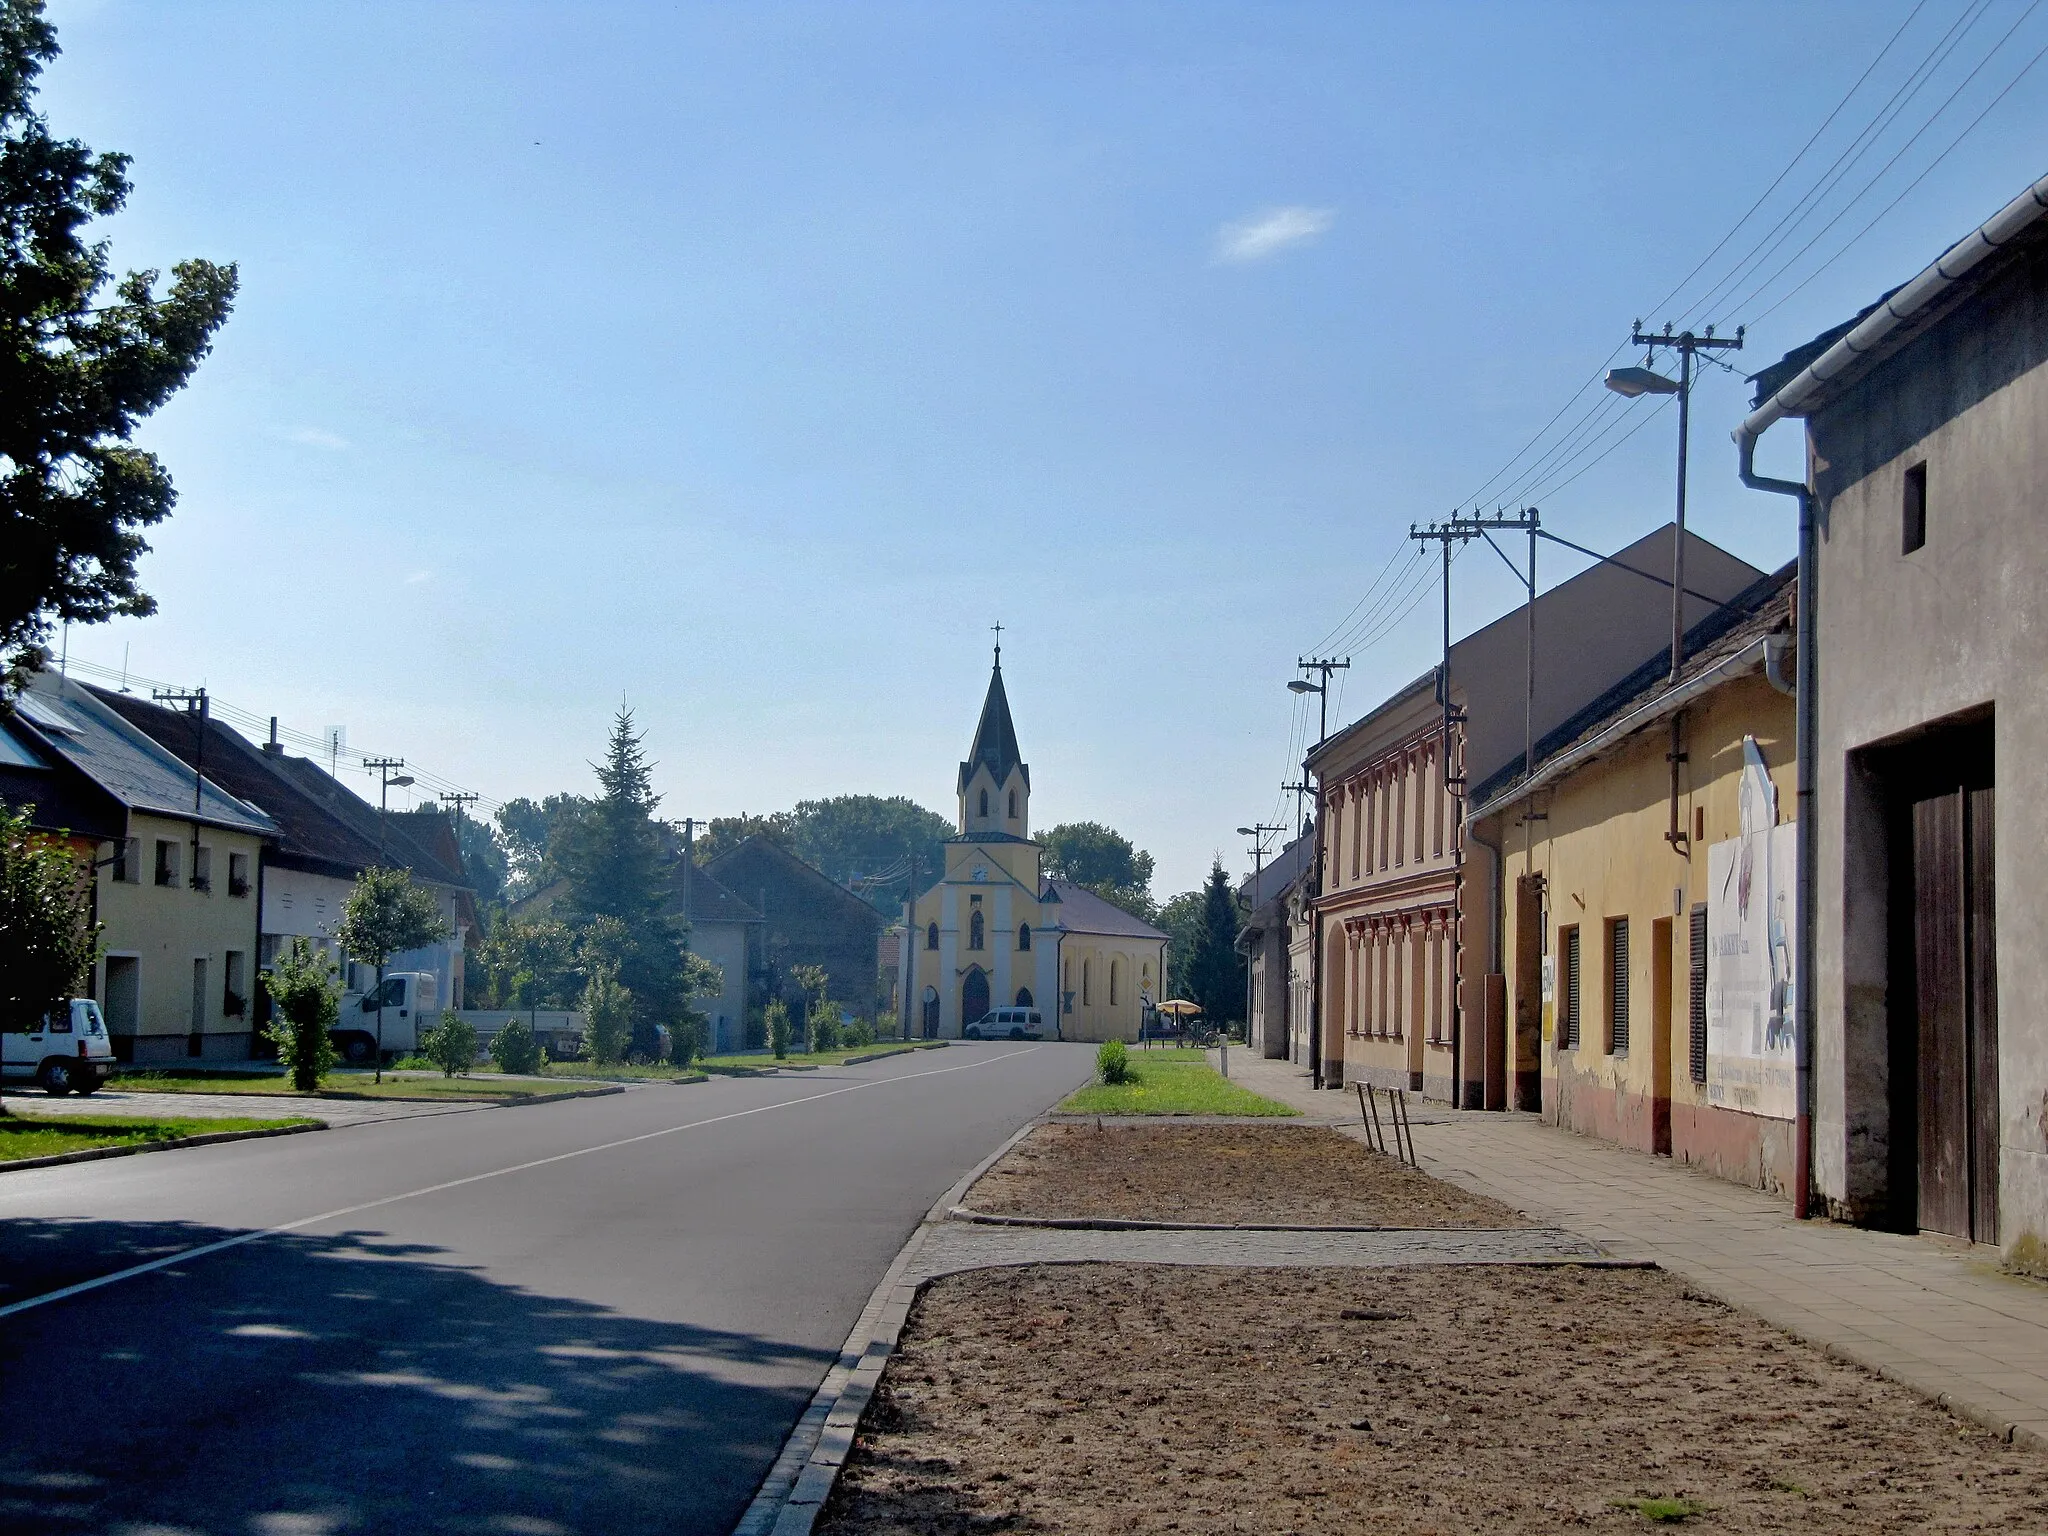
x=995 y=738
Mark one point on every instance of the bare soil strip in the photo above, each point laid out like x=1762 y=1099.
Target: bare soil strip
x=1108 y=1399
x=1269 y=1174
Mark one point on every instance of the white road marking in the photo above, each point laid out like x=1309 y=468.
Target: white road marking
x=186 y=1255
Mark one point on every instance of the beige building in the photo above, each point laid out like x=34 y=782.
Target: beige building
x=994 y=933
x=1410 y=972
x=1613 y=845
x=176 y=891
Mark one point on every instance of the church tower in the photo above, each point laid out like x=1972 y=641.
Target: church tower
x=995 y=781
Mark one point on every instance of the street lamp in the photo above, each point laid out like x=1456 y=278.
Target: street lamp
x=1637 y=382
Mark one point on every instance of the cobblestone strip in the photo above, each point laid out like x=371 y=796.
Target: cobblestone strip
x=961 y=1246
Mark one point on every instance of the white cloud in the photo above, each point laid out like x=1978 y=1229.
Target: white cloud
x=313 y=437
x=1268 y=233
x=417 y=577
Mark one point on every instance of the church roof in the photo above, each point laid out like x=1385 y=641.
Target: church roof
x=995 y=738
x=1082 y=911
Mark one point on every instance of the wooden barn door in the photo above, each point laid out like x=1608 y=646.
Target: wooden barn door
x=1955 y=996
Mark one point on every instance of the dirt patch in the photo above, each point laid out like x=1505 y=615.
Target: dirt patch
x=1299 y=1175
x=1100 y=1400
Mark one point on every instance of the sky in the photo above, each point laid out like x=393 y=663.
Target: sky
x=744 y=363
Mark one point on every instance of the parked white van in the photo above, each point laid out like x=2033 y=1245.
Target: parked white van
x=69 y=1053
x=1008 y=1024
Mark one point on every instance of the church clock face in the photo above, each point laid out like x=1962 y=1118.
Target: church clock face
x=980 y=872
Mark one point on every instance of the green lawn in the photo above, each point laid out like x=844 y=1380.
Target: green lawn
x=359 y=1084
x=757 y=1061
x=1172 y=1082
x=27 y=1136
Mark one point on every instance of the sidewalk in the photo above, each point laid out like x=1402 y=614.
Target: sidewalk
x=1937 y=1318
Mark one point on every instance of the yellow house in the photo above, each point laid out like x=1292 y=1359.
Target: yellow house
x=1646 y=933
x=176 y=887
x=995 y=934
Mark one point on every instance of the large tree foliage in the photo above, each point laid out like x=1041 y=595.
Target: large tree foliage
x=534 y=835
x=79 y=369
x=484 y=863
x=385 y=915
x=1104 y=861
x=1215 y=973
x=526 y=963
x=615 y=865
x=866 y=842
x=48 y=940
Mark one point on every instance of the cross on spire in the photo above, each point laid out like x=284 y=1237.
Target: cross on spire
x=998 y=628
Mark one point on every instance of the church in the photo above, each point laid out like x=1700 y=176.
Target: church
x=995 y=936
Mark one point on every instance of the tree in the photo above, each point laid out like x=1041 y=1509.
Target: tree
x=812 y=982
x=305 y=999
x=613 y=860
x=451 y=1044
x=385 y=915
x=607 y=1018
x=721 y=834
x=1103 y=861
x=81 y=368
x=874 y=840
x=1216 y=971
x=48 y=940
x=533 y=834
x=484 y=862
x=1181 y=918
x=528 y=963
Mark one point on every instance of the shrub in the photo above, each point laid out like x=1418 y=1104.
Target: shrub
x=778 y=1029
x=413 y=1063
x=824 y=1026
x=516 y=1049
x=450 y=1044
x=860 y=1032
x=756 y=1037
x=688 y=1039
x=1113 y=1063
x=607 y=1018
x=305 y=1000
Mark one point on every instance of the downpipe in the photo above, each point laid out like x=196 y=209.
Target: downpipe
x=1806 y=694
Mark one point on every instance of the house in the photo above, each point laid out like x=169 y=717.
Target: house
x=1659 y=840
x=732 y=935
x=1927 y=963
x=804 y=917
x=1271 y=897
x=326 y=837
x=176 y=860
x=1410 y=977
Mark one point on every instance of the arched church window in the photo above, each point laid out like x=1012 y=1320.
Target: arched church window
x=931 y=936
x=1023 y=997
x=1023 y=935
x=1013 y=805
x=984 y=802
x=976 y=931
x=1085 y=989
x=1116 y=975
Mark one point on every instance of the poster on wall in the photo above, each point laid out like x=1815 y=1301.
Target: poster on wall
x=1751 y=927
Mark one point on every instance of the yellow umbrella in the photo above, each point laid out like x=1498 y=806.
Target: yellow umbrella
x=1179 y=1007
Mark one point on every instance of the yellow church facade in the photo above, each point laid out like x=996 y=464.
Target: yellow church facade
x=996 y=950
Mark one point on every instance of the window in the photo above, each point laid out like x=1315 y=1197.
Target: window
x=1617 y=985
x=234 y=1002
x=931 y=936
x=128 y=860
x=238 y=874
x=1024 y=1001
x=1696 y=996
x=1568 y=1026
x=1013 y=805
x=202 y=868
x=1085 y=988
x=1915 y=520
x=1023 y=935
x=984 y=802
x=167 y=862
x=976 y=930
x=1115 y=978
x=200 y=997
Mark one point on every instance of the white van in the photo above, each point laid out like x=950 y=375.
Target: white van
x=69 y=1053
x=1008 y=1024
x=410 y=1007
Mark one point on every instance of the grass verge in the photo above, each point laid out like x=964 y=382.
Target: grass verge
x=1172 y=1082
x=762 y=1061
x=26 y=1136
x=352 y=1084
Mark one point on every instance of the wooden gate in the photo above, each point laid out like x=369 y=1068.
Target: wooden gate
x=1955 y=1000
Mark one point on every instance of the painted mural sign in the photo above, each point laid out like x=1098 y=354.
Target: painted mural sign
x=1750 y=931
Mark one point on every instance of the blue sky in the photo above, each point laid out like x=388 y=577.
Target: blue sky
x=748 y=361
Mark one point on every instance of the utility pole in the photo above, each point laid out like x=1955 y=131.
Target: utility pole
x=459 y=798
x=1259 y=832
x=1634 y=382
x=382 y=766
x=197 y=704
x=910 y=938
x=1324 y=666
x=1530 y=521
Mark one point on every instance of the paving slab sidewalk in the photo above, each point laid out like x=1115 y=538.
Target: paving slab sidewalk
x=213 y=1106
x=1931 y=1315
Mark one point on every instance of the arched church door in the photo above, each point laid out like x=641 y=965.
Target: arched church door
x=1023 y=997
x=974 y=997
x=931 y=1013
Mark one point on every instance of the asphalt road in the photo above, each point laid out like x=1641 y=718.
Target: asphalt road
x=598 y=1317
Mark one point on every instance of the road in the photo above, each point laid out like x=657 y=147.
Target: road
x=597 y=1317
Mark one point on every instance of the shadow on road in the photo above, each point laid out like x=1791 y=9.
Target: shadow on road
x=299 y=1386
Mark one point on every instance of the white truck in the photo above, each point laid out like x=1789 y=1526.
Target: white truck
x=411 y=1006
x=69 y=1052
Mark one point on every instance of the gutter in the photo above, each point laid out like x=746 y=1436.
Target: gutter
x=1746 y=660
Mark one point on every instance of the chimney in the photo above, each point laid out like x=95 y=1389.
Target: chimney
x=271 y=745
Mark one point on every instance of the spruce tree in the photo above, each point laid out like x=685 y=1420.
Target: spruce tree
x=1216 y=971
x=614 y=865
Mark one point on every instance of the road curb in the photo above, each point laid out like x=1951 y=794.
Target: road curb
x=793 y=1494
x=1125 y=1224
x=211 y=1138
